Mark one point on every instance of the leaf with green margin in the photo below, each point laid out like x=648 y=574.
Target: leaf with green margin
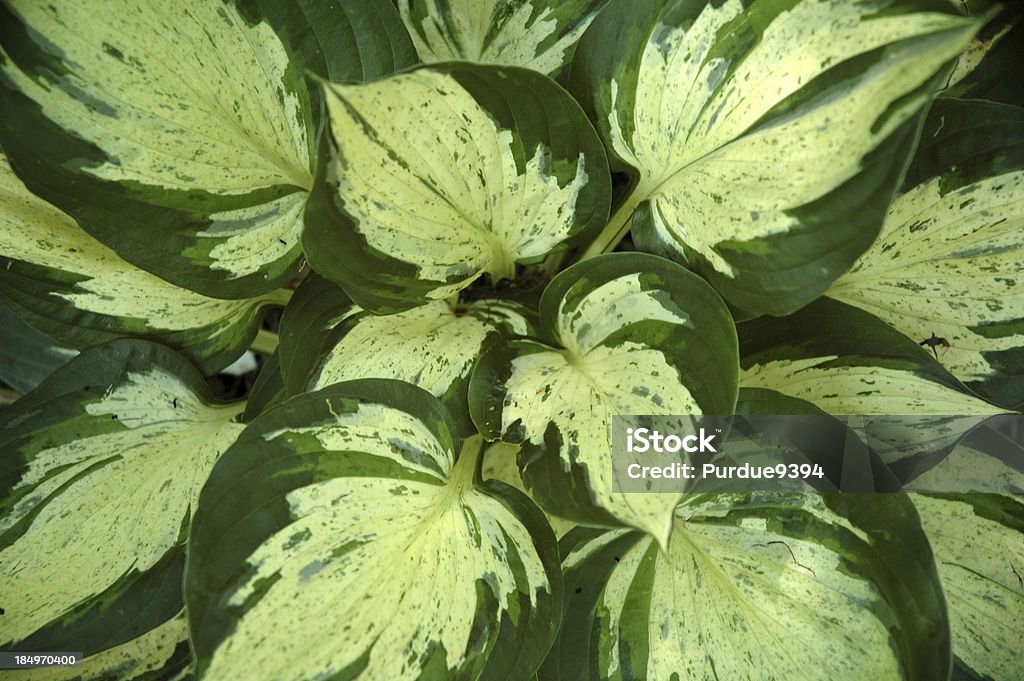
x=503 y=168
x=102 y=470
x=846 y=361
x=810 y=587
x=161 y=653
x=536 y=34
x=27 y=356
x=768 y=136
x=816 y=438
x=342 y=527
x=69 y=285
x=979 y=548
x=181 y=135
x=433 y=346
x=621 y=334
x=948 y=260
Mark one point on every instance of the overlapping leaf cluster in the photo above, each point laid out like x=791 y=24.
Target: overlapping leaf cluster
x=511 y=221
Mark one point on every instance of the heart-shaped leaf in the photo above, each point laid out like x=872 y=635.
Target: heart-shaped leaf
x=101 y=471
x=343 y=528
x=503 y=168
x=626 y=334
x=180 y=134
x=765 y=138
x=802 y=586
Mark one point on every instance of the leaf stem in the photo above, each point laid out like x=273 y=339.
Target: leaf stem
x=617 y=228
x=265 y=342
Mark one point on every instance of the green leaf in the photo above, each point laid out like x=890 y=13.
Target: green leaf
x=979 y=548
x=537 y=34
x=502 y=168
x=160 y=653
x=27 y=356
x=343 y=528
x=948 y=259
x=181 y=135
x=621 y=334
x=806 y=587
x=72 y=287
x=343 y=41
x=765 y=139
x=846 y=361
x=102 y=469
x=328 y=340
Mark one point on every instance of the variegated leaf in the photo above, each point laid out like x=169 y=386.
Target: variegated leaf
x=622 y=334
x=327 y=339
x=810 y=587
x=764 y=139
x=538 y=34
x=180 y=134
x=442 y=174
x=69 y=285
x=101 y=472
x=979 y=549
x=978 y=540
x=948 y=262
x=161 y=653
x=343 y=528
x=846 y=361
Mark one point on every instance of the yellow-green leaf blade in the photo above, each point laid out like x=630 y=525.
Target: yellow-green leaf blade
x=182 y=135
x=373 y=542
x=538 y=34
x=756 y=586
x=764 y=138
x=503 y=168
x=76 y=289
x=104 y=464
x=624 y=334
x=948 y=261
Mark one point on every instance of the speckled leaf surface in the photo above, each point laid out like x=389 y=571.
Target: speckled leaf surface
x=765 y=139
x=815 y=587
x=101 y=471
x=620 y=334
x=161 y=653
x=950 y=258
x=63 y=281
x=978 y=540
x=537 y=34
x=343 y=527
x=327 y=339
x=179 y=134
x=846 y=361
x=504 y=168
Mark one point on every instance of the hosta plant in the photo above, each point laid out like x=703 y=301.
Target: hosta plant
x=493 y=226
